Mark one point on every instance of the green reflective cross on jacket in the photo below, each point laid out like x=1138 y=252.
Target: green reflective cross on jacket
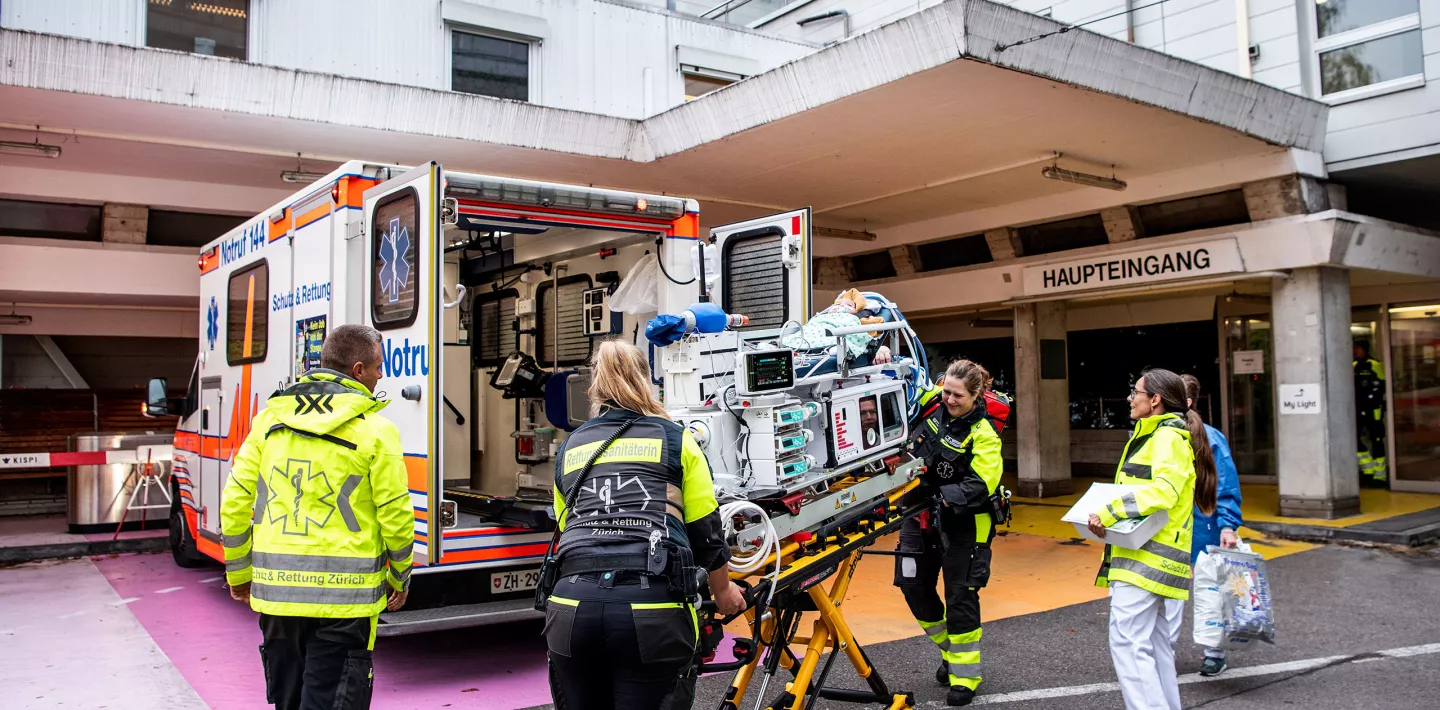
x=316 y=514
x=1159 y=462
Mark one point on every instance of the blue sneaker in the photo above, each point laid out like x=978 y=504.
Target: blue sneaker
x=1213 y=666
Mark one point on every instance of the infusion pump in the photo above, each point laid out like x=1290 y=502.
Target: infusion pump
x=791 y=437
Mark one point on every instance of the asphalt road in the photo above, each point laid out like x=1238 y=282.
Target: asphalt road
x=1336 y=609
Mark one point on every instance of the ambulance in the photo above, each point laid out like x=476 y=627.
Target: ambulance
x=490 y=294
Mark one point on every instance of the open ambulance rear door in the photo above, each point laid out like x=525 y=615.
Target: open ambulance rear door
x=403 y=300
x=764 y=271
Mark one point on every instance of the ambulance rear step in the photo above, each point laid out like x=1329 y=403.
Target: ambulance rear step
x=399 y=623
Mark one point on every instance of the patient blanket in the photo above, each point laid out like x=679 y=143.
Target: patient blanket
x=817 y=333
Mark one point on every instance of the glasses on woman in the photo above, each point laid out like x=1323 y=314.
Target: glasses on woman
x=1137 y=392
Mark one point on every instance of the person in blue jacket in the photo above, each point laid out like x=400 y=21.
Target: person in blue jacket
x=1218 y=529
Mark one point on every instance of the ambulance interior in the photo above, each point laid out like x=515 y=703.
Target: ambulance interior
x=528 y=289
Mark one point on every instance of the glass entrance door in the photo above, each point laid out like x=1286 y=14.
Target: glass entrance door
x=1415 y=403
x=1251 y=394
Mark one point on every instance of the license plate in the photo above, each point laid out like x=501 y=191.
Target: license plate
x=516 y=581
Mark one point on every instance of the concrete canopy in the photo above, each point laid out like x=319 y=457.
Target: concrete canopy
x=918 y=119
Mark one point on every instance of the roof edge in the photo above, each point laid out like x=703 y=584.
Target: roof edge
x=974 y=29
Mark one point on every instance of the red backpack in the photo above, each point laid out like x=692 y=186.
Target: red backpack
x=997 y=407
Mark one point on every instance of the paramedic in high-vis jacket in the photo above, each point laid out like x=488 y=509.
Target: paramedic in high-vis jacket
x=620 y=630
x=318 y=527
x=951 y=540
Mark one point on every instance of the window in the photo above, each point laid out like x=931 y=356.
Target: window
x=574 y=343
x=700 y=81
x=214 y=27
x=953 y=252
x=1087 y=231
x=489 y=66
x=492 y=327
x=756 y=283
x=395 y=281
x=49 y=220
x=247 y=314
x=187 y=229
x=1365 y=47
x=1218 y=210
x=875 y=265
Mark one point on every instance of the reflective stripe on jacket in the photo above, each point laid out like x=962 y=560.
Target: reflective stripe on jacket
x=1158 y=460
x=316 y=514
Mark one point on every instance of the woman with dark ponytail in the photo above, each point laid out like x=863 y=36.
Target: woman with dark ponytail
x=1217 y=528
x=1170 y=467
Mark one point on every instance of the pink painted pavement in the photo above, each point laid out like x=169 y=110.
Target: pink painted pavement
x=214 y=641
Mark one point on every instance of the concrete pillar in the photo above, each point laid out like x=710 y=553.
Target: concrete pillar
x=1042 y=398
x=1004 y=243
x=1315 y=401
x=124 y=224
x=1121 y=224
x=903 y=260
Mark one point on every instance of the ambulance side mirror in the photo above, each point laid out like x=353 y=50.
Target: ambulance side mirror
x=157 y=398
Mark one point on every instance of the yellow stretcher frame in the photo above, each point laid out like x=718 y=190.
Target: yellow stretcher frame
x=830 y=630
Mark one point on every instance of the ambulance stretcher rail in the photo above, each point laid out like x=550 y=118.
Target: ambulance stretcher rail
x=823 y=556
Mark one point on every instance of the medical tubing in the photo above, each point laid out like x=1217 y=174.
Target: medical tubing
x=660 y=259
x=745 y=563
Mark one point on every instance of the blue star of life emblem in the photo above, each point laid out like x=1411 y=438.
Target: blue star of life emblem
x=394 y=269
x=212 y=323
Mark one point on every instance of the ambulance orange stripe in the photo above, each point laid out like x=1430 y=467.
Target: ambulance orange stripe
x=318 y=213
x=495 y=553
x=281 y=228
x=417 y=473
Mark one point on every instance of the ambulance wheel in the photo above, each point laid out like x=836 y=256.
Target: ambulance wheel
x=182 y=546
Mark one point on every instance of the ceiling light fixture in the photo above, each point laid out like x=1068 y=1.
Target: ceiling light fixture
x=1055 y=172
x=33 y=150
x=842 y=234
x=300 y=176
x=13 y=318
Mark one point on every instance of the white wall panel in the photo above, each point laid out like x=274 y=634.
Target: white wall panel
x=115 y=21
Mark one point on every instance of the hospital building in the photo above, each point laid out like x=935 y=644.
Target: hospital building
x=1068 y=191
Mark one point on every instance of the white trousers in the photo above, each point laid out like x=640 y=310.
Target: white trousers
x=1143 y=630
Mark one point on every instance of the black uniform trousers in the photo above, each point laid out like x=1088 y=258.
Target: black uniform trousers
x=619 y=644
x=946 y=548
x=317 y=664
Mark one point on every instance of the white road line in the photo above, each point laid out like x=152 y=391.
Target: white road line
x=1243 y=672
x=73 y=614
x=125 y=601
x=168 y=590
x=208 y=580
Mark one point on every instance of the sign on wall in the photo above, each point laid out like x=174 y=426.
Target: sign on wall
x=1249 y=362
x=1300 y=399
x=1168 y=263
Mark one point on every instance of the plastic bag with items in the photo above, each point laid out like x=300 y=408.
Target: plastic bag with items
x=1232 y=602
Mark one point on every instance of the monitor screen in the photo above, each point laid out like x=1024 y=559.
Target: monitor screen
x=769 y=370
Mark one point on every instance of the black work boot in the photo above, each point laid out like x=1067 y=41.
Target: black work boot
x=959 y=695
x=942 y=674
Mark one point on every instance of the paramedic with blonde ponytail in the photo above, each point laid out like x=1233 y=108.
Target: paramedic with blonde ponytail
x=961 y=448
x=638 y=523
x=1168 y=461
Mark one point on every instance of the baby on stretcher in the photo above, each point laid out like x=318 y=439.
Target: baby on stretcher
x=850 y=309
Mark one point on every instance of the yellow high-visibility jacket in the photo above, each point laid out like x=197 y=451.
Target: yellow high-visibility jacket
x=1159 y=460
x=316 y=514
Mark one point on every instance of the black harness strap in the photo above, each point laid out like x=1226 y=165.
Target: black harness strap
x=312 y=435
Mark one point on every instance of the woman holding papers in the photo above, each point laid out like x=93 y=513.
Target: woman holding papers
x=961 y=447
x=1169 y=464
